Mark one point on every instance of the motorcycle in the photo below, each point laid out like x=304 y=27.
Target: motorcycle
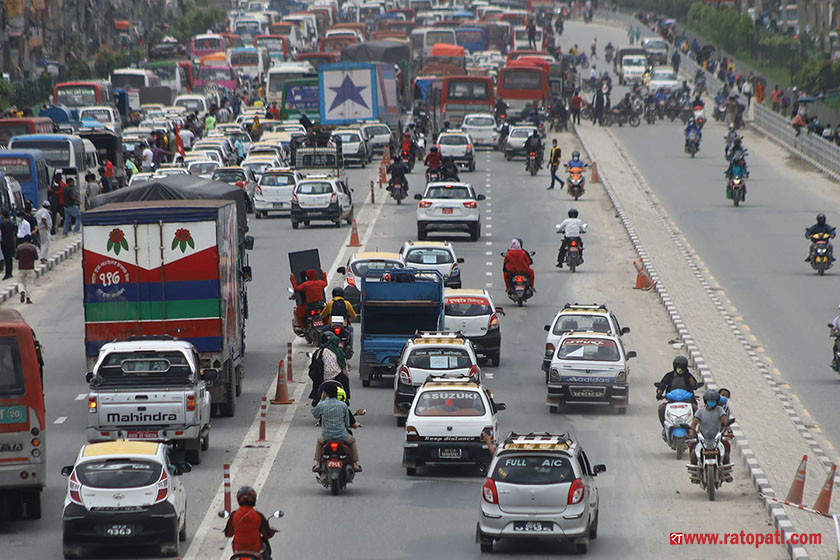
x=338 y=328
x=736 y=189
x=699 y=116
x=650 y=113
x=822 y=253
x=686 y=112
x=678 y=413
x=574 y=254
x=835 y=363
x=335 y=469
x=608 y=55
x=520 y=288
x=576 y=181
x=409 y=158
x=531 y=164
x=314 y=323
x=421 y=122
x=399 y=189
x=710 y=472
x=590 y=84
x=252 y=554
x=432 y=175
x=692 y=143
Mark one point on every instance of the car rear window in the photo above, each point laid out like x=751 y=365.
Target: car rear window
x=315 y=188
x=439 y=358
x=147 y=368
x=229 y=176
x=118 y=473
x=463 y=306
x=276 y=180
x=571 y=322
x=533 y=469
x=448 y=192
x=428 y=256
x=449 y=403
x=479 y=121
x=361 y=268
x=521 y=133
x=378 y=130
x=203 y=168
x=453 y=140
x=345 y=138
x=595 y=349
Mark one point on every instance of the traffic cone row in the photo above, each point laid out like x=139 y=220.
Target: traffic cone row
x=797 y=489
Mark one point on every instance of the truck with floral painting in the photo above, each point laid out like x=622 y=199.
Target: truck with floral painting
x=161 y=269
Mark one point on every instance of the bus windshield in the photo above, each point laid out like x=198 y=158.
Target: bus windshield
x=277 y=79
x=434 y=37
x=208 y=44
x=244 y=59
x=212 y=74
x=17 y=167
x=522 y=78
x=56 y=152
x=273 y=44
x=128 y=81
x=165 y=72
x=76 y=96
x=303 y=97
x=470 y=90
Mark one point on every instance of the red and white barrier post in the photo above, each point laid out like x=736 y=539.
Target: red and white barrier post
x=226 y=468
x=263 y=409
x=289 y=376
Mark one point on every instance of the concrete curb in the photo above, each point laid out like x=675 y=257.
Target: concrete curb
x=777 y=513
x=41 y=269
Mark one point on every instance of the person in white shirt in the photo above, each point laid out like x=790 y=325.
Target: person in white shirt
x=571 y=228
x=45 y=224
x=148 y=157
x=24 y=229
x=187 y=138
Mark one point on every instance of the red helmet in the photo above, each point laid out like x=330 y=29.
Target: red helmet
x=246 y=496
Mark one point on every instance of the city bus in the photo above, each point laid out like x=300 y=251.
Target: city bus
x=219 y=73
x=521 y=84
x=81 y=94
x=131 y=80
x=249 y=62
x=63 y=152
x=29 y=168
x=24 y=125
x=337 y=42
x=472 y=37
x=171 y=74
x=319 y=58
x=276 y=45
x=462 y=95
x=301 y=96
x=281 y=73
x=202 y=45
x=22 y=417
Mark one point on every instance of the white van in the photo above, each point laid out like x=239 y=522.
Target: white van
x=131 y=80
x=424 y=39
x=280 y=73
x=193 y=103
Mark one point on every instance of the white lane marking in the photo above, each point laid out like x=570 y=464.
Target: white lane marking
x=81 y=396
x=488 y=197
x=488 y=285
x=488 y=226
x=489 y=243
x=489 y=204
x=489 y=218
x=60 y=420
x=488 y=273
x=489 y=263
x=488 y=253
x=487 y=375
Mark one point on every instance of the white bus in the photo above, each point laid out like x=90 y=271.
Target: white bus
x=279 y=74
x=131 y=80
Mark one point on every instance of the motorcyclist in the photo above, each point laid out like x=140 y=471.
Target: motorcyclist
x=248 y=527
x=820 y=227
x=678 y=378
x=340 y=307
x=313 y=292
x=650 y=101
x=737 y=156
x=835 y=334
x=334 y=416
x=609 y=50
x=449 y=170
x=691 y=129
x=697 y=101
x=433 y=161
x=711 y=419
x=501 y=108
x=398 y=171
x=517 y=260
x=571 y=228
x=407 y=146
x=684 y=91
x=575 y=161
x=534 y=144
x=625 y=106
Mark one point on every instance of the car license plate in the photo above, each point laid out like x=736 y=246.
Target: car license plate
x=317 y=323
x=532 y=526
x=333 y=463
x=143 y=435
x=447 y=210
x=119 y=531
x=278 y=205
x=588 y=393
x=445 y=453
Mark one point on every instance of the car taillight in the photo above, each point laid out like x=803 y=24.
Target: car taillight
x=191 y=402
x=337 y=331
x=240 y=184
x=405 y=375
x=455 y=270
x=488 y=492
x=493 y=323
x=576 y=491
x=259 y=189
x=92 y=405
x=437 y=146
x=334 y=446
x=162 y=486
x=532 y=154
x=549 y=349
x=469 y=147
x=621 y=377
x=75 y=489
x=333 y=198
x=425 y=204
x=411 y=434
x=351 y=280
x=475 y=372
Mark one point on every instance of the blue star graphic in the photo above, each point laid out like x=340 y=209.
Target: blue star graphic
x=348 y=91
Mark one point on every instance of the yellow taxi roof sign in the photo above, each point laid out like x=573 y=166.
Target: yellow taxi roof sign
x=121 y=447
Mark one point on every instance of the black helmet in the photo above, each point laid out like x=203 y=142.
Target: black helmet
x=573 y=213
x=821 y=219
x=433 y=149
x=338 y=292
x=246 y=496
x=711 y=395
x=680 y=362
x=576 y=155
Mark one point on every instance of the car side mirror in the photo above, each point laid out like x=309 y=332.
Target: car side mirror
x=631 y=354
x=501 y=406
x=89 y=376
x=247 y=276
x=67 y=470
x=460 y=260
x=625 y=330
x=480 y=197
x=209 y=374
x=500 y=311
x=224 y=514
x=249 y=242
x=418 y=197
x=182 y=468
x=598 y=469
x=278 y=514
x=341 y=270
x=547 y=328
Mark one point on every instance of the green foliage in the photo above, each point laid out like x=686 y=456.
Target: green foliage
x=33 y=92
x=822 y=75
x=107 y=60
x=6 y=92
x=194 y=21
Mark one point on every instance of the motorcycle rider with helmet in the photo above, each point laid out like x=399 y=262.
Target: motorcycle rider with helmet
x=398 y=171
x=678 y=378
x=571 y=228
x=534 y=144
x=517 y=260
x=340 y=307
x=820 y=227
x=248 y=527
x=692 y=128
x=448 y=169
x=433 y=161
x=334 y=416
x=711 y=419
x=407 y=146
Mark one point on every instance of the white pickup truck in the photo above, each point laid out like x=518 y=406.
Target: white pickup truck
x=151 y=388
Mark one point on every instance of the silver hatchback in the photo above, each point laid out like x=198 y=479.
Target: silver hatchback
x=540 y=486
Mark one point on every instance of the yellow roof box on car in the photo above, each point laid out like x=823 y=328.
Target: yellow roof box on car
x=121 y=447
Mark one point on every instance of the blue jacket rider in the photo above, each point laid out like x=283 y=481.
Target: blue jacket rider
x=692 y=127
x=661 y=95
x=820 y=227
x=575 y=162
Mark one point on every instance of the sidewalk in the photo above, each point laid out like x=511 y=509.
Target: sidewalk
x=62 y=248
x=719 y=349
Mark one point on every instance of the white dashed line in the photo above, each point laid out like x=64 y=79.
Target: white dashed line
x=488 y=273
x=60 y=420
x=488 y=253
x=81 y=396
x=488 y=375
x=489 y=263
x=488 y=285
x=489 y=217
x=489 y=226
x=489 y=243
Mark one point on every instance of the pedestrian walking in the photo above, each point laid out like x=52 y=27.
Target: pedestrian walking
x=24 y=228
x=56 y=198
x=747 y=90
x=8 y=238
x=676 y=58
x=575 y=105
x=532 y=34
x=71 y=207
x=91 y=187
x=26 y=255
x=45 y=226
x=554 y=163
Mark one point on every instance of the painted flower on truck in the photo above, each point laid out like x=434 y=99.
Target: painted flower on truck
x=182 y=238
x=116 y=241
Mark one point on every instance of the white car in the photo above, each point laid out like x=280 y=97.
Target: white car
x=170 y=171
x=472 y=314
x=124 y=493
x=213 y=155
x=353 y=146
x=578 y=317
x=663 y=77
x=378 y=136
x=358 y=267
x=138 y=178
x=274 y=191
x=260 y=164
x=321 y=198
x=449 y=207
x=445 y=423
x=515 y=143
x=482 y=129
x=431 y=353
x=103 y=114
x=434 y=255
x=203 y=168
x=459 y=146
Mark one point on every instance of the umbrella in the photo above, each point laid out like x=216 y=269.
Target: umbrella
x=669 y=22
x=807 y=99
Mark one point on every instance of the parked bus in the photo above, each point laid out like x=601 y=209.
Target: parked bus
x=171 y=74
x=424 y=39
x=249 y=62
x=521 y=84
x=131 y=80
x=24 y=125
x=202 y=45
x=64 y=152
x=276 y=45
x=29 y=167
x=338 y=42
x=301 y=96
x=22 y=417
x=462 y=95
x=282 y=73
x=291 y=31
x=472 y=37
x=80 y=94
x=187 y=67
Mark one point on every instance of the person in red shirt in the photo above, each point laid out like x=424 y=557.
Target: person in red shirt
x=109 y=169
x=248 y=527
x=517 y=260
x=433 y=161
x=575 y=105
x=407 y=144
x=275 y=112
x=313 y=292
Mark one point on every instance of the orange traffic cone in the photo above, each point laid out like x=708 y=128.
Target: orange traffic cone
x=386 y=157
x=643 y=280
x=595 y=178
x=382 y=176
x=824 y=499
x=281 y=394
x=798 y=486
x=354 y=236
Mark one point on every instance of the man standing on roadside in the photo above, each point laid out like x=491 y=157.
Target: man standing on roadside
x=8 y=236
x=26 y=254
x=71 y=207
x=45 y=224
x=575 y=105
x=675 y=61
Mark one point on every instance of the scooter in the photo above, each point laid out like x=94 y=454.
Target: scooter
x=710 y=472
x=335 y=470
x=338 y=328
x=531 y=163
x=576 y=181
x=519 y=283
x=313 y=323
x=692 y=143
x=699 y=116
x=253 y=554
x=835 y=363
x=678 y=412
x=736 y=188
x=822 y=253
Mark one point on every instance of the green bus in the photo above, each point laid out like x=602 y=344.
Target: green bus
x=301 y=96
